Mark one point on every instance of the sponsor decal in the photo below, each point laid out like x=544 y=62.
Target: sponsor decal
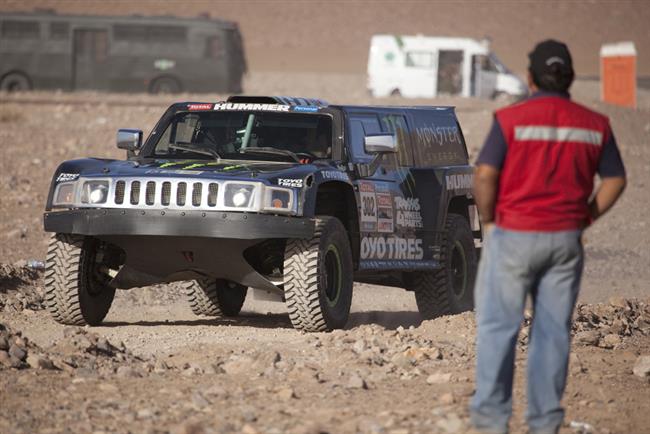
x=215 y=163
x=164 y=64
x=408 y=212
x=63 y=177
x=172 y=172
x=305 y=109
x=385 y=214
x=252 y=107
x=438 y=136
x=368 y=201
x=335 y=174
x=459 y=182
x=391 y=248
x=192 y=107
x=290 y=182
x=174 y=163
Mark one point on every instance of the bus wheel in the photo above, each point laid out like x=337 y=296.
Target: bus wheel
x=165 y=85
x=15 y=82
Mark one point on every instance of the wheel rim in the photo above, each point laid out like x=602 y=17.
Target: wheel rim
x=333 y=275
x=96 y=278
x=458 y=269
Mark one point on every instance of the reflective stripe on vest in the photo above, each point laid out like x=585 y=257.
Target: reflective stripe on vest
x=558 y=134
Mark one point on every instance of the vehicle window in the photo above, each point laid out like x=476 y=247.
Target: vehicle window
x=420 y=59
x=149 y=33
x=497 y=64
x=227 y=133
x=91 y=45
x=360 y=126
x=396 y=124
x=59 y=31
x=450 y=75
x=21 y=29
x=213 y=47
x=485 y=63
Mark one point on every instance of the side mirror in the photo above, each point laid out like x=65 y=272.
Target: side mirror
x=380 y=143
x=131 y=140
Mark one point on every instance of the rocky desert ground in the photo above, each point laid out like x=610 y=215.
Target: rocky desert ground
x=153 y=367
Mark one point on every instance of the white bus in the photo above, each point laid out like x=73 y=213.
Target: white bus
x=425 y=67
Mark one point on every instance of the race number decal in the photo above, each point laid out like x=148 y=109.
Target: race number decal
x=368 y=202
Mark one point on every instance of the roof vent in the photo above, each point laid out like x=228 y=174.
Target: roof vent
x=287 y=100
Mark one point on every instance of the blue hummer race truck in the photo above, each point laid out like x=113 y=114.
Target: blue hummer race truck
x=291 y=197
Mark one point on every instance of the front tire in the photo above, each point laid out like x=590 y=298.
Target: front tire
x=450 y=289
x=215 y=297
x=318 y=278
x=76 y=291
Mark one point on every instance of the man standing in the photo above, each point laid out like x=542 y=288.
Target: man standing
x=533 y=183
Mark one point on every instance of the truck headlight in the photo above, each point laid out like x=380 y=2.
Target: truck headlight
x=94 y=192
x=278 y=199
x=64 y=194
x=239 y=195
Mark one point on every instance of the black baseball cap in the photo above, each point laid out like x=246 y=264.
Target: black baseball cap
x=550 y=57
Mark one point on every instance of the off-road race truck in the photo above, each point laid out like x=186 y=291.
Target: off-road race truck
x=291 y=197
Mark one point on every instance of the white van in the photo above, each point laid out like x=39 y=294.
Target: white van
x=426 y=66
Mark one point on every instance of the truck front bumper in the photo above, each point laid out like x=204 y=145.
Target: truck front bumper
x=215 y=224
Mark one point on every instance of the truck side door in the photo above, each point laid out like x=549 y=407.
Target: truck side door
x=384 y=244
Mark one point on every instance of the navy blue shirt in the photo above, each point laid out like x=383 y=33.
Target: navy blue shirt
x=495 y=148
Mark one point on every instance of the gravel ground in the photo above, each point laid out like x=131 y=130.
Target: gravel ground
x=154 y=367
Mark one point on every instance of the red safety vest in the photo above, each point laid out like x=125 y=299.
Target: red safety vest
x=553 y=149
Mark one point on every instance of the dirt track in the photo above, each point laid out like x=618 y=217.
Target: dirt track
x=180 y=373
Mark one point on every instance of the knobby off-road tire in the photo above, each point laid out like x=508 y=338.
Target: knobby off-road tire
x=450 y=289
x=318 y=277
x=74 y=290
x=215 y=297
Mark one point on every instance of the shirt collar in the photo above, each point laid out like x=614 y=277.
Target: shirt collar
x=546 y=94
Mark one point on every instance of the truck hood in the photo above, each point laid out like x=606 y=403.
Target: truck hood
x=205 y=169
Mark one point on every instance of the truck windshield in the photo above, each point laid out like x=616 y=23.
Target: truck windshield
x=246 y=135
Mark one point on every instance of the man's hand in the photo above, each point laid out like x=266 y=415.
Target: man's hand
x=608 y=192
x=486 y=184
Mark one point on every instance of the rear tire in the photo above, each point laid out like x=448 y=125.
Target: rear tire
x=215 y=297
x=15 y=82
x=76 y=291
x=318 y=278
x=450 y=289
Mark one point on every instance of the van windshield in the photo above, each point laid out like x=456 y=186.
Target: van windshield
x=500 y=67
x=246 y=135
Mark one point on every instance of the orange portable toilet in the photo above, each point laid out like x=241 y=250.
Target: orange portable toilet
x=618 y=74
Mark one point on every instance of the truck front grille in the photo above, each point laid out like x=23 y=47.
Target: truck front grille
x=135 y=192
x=213 y=189
x=120 y=186
x=181 y=191
x=166 y=193
x=151 y=193
x=169 y=193
x=196 y=194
